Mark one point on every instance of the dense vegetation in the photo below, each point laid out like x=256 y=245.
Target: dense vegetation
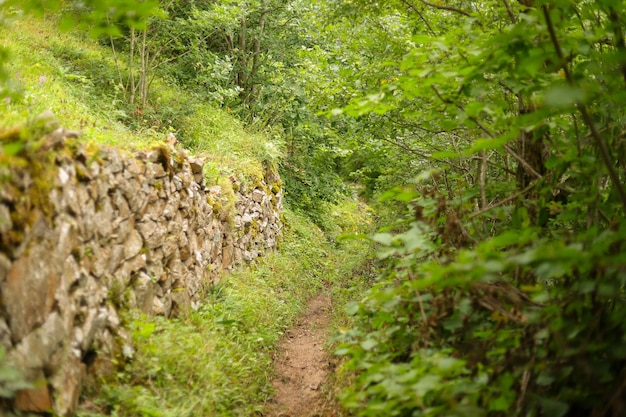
x=491 y=129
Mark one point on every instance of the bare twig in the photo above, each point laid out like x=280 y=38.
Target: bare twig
x=509 y=150
x=416 y=10
x=483 y=178
x=523 y=387
x=482 y=127
x=444 y=7
x=504 y=201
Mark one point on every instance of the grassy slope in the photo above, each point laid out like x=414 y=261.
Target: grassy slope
x=77 y=79
x=216 y=361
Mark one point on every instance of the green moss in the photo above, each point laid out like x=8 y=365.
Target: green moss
x=81 y=174
x=114 y=295
x=254 y=228
x=217 y=206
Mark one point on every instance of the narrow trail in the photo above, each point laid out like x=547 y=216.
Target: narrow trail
x=303 y=364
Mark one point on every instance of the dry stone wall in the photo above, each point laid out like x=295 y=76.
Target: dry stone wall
x=87 y=233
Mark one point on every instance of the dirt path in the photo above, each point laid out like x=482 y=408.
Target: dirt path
x=302 y=366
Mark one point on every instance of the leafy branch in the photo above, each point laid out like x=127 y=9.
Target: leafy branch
x=599 y=141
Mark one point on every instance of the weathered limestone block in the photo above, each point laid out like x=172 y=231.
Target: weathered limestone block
x=144 y=289
x=258 y=196
x=87 y=227
x=94 y=323
x=133 y=245
x=42 y=349
x=125 y=272
x=162 y=306
x=28 y=292
x=103 y=219
x=153 y=233
x=181 y=303
x=114 y=160
x=122 y=228
x=134 y=168
x=155 y=170
x=5 y=219
x=67 y=384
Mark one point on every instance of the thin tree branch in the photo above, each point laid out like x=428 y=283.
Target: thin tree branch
x=419 y=13
x=448 y=8
x=595 y=134
x=483 y=178
x=504 y=201
x=508 y=148
x=509 y=10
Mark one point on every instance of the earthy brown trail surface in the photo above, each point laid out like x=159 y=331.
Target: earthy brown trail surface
x=302 y=366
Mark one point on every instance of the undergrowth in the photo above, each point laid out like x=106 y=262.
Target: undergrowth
x=217 y=360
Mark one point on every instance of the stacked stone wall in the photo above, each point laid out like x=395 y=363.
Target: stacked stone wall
x=89 y=233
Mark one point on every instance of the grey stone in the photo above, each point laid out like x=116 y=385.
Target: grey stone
x=37 y=349
x=152 y=232
x=115 y=164
x=94 y=322
x=135 y=167
x=162 y=306
x=5 y=266
x=133 y=245
x=156 y=171
x=178 y=183
x=120 y=203
x=124 y=273
x=28 y=292
x=5 y=219
x=258 y=196
x=70 y=197
x=144 y=292
x=66 y=385
x=5 y=335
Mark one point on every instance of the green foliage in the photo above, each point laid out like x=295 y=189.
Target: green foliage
x=502 y=291
x=515 y=325
x=78 y=80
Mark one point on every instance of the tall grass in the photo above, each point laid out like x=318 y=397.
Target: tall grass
x=77 y=78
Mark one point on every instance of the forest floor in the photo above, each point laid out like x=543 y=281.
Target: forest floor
x=303 y=366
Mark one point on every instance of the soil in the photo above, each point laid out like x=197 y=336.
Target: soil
x=303 y=366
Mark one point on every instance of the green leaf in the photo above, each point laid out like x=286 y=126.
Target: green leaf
x=369 y=344
x=352 y=308
x=474 y=108
x=427 y=384
x=13 y=148
x=447 y=364
x=553 y=408
x=500 y=403
x=563 y=96
x=383 y=238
